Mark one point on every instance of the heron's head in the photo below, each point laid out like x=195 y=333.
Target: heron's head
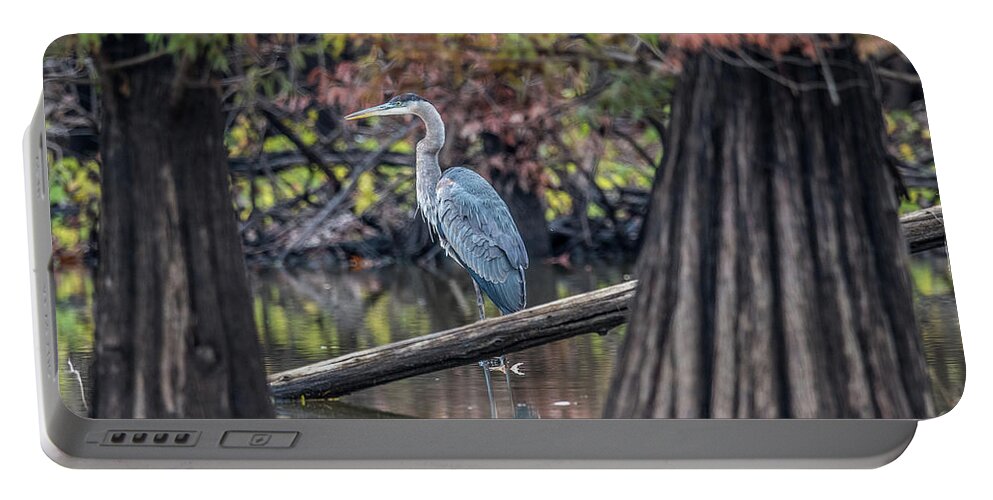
x=403 y=104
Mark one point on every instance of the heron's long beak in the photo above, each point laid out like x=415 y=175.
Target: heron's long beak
x=373 y=111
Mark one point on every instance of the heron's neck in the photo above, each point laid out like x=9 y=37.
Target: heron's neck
x=428 y=170
x=434 y=138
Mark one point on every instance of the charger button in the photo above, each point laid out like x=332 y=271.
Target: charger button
x=258 y=439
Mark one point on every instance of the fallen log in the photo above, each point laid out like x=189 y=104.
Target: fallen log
x=596 y=311
x=924 y=229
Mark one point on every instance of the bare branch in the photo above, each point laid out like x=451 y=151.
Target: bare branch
x=899 y=76
x=635 y=146
x=828 y=74
x=306 y=150
x=352 y=183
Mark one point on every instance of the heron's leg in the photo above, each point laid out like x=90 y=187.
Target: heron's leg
x=479 y=300
x=489 y=388
x=484 y=364
x=506 y=376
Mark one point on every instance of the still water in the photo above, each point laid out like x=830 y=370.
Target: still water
x=305 y=316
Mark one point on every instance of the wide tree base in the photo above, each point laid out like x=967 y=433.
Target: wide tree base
x=773 y=273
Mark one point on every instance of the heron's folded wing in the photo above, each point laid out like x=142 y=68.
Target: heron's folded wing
x=479 y=229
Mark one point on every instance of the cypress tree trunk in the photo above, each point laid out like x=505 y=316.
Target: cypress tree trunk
x=175 y=335
x=773 y=274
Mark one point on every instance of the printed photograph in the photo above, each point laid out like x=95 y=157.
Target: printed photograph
x=557 y=226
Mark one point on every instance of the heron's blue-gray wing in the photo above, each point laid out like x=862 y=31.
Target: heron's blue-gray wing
x=477 y=229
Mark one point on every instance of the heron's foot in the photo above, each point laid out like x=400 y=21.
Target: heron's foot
x=493 y=364
x=499 y=365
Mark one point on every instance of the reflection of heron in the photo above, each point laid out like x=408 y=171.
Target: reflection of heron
x=472 y=223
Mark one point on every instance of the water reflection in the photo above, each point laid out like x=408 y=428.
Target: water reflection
x=938 y=322
x=306 y=316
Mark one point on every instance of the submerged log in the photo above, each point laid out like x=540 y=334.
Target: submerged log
x=596 y=311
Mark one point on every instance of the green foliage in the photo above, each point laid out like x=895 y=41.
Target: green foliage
x=74 y=307
x=78 y=46
x=930 y=280
x=75 y=197
x=559 y=203
x=632 y=95
x=365 y=194
x=212 y=47
x=910 y=143
x=919 y=197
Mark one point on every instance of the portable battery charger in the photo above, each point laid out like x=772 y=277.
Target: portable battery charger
x=545 y=250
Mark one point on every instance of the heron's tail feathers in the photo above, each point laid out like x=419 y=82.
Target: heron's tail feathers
x=509 y=296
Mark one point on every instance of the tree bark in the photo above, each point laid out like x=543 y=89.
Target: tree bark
x=773 y=273
x=175 y=335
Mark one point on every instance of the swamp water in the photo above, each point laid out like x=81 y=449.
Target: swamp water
x=306 y=316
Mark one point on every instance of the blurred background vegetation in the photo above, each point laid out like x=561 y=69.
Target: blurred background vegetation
x=568 y=128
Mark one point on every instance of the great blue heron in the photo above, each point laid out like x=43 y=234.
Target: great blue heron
x=472 y=223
